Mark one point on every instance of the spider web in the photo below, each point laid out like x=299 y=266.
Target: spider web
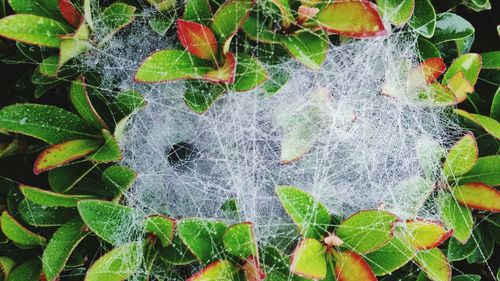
x=366 y=153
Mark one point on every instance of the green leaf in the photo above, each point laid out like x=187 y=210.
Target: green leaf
x=435 y=264
x=161 y=25
x=311 y=217
x=221 y=270
x=49 y=66
x=6 y=265
x=44 y=8
x=228 y=19
x=168 y=65
x=450 y=27
x=495 y=106
x=60 y=247
x=109 y=151
x=107 y=220
x=456 y=217
x=51 y=199
x=18 y=233
x=478 y=5
x=198 y=11
x=202 y=237
x=390 y=257
x=27 y=271
x=458 y=251
x=466 y=277
x=81 y=101
x=468 y=64
x=485 y=171
x=398 y=12
x=116 y=265
x=43 y=216
x=255 y=30
x=491 y=60
x=423 y=20
x=423 y=234
x=199 y=96
x=64 y=178
x=32 y=29
x=163 y=5
x=126 y=103
x=490 y=125
x=249 y=73
x=120 y=178
x=426 y=49
x=366 y=231
x=118 y=15
x=461 y=157
x=308 y=48
x=309 y=260
x=162 y=227
x=45 y=122
x=177 y=253
x=478 y=195
x=59 y=154
x=239 y=240
x=74 y=45
x=351 y=267
x=484 y=244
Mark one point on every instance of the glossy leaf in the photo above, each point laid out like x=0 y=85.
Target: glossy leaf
x=49 y=66
x=468 y=64
x=435 y=264
x=423 y=20
x=239 y=240
x=44 y=8
x=308 y=259
x=457 y=251
x=45 y=122
x=226 y=73
x=228 y=19
x=81 y=101
x=32 y=29
x=308 y=48
x=51 y=199
x=44 y=216
x=351 y=267
x=390 y=257
x=356 y=19
x=200 y=96
x=202 y=237
x=168 y=65
x=460 y=86
x=60 y=247
x=491 y=60
x=198 y=39
x=426 y=49
x=59 y=154
x=64 y=178
x=490 y=125
x=120 y=178
x=117 y=264
x=311 y=217
x=431 y=69
x=70 y=48
x=255 y=30
x=163 y=5
x=221 y=270
x=18 y=233
x=70 y=13
x=456 y=217
x=118 y=15
x=6 y=265
x=423 y=234
x=366 y=231
x=398 y=12
x=176 y=253
x=485 y=171
x=249 y=73
x=27 y=271
x=109 y=152
x=198 y=11
x=107 y=220
x=478 y=196
x=461 y=157
x=162 y=227
x=450 y=27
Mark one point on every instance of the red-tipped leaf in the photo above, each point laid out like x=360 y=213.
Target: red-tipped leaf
x=198 y=39
x=226 y=73
x=70 y=13
x=424 y=234
x=432 y=68
x=352 y=267
x=357 y=19
x=478 y=195
x=253 y=270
